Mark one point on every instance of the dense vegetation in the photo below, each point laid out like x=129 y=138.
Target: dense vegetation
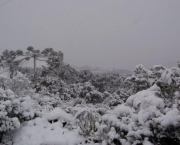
x=57 y=104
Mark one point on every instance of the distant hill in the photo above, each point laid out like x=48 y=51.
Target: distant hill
x=101 y=70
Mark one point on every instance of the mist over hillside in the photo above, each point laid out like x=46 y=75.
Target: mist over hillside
x=29 y=64
x=102 y=70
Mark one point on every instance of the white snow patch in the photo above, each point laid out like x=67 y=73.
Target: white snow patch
x=58 y=113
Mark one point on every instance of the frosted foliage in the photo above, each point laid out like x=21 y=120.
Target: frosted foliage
x=167 y=79
x=13 y=110
x=146 y=98
x=87 y=119
x=171 y=118
x=6 y=108
x=19 y=84
x=58 y=113
x=64 y=106
x=137 y=118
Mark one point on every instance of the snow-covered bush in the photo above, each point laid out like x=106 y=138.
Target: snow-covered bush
x=86 y=120
x=94 y=97
x=78 y=101
x=50 y=129
x=44 y=101
x=124 y=93
x=85 y=91
x=167 y=79
x=85 y=75
x=112 y=99
x=66 y=73
x=110 y=82
x=74 y=90
x=144 y=117
x=90 y=94
x=20 y=84
x=13 y=110
x=141 y=79
x=52 y=85
x=59 y=115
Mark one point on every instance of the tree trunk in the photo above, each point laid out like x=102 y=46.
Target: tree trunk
x=34 y=68
x=59 y=64
x=11 y=69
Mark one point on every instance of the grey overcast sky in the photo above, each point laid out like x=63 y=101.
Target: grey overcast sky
x=104 y=33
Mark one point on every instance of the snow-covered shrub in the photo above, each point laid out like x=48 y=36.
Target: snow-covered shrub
x=13 y=110
x=94 y=97
x=167 y=79
x=85 y=91
x=44 y=101
x=52 y=85
x=79 y=89
x=89 y=93
x=78 y=101
x=110 y=82
x=86 y=88
x=112 y=99
x=85 y=75
x=74 y=90
x=86 y=120
x=48 y=130
x=57 y=114
x=144 y=117
x=141 y=79
x=20 y=84
x=124 y=93
x=66 y=73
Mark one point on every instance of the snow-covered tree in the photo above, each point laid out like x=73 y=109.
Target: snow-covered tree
x=8 y=59
x=54 y=59
x=166 y=79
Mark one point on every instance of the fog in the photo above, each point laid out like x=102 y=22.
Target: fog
x=103 y=33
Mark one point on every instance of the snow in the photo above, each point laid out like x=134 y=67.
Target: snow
x=122 y=110
x=167 y=76
x=58 y=113
x=146 y=98
x=41 y=132
x=172 y=117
